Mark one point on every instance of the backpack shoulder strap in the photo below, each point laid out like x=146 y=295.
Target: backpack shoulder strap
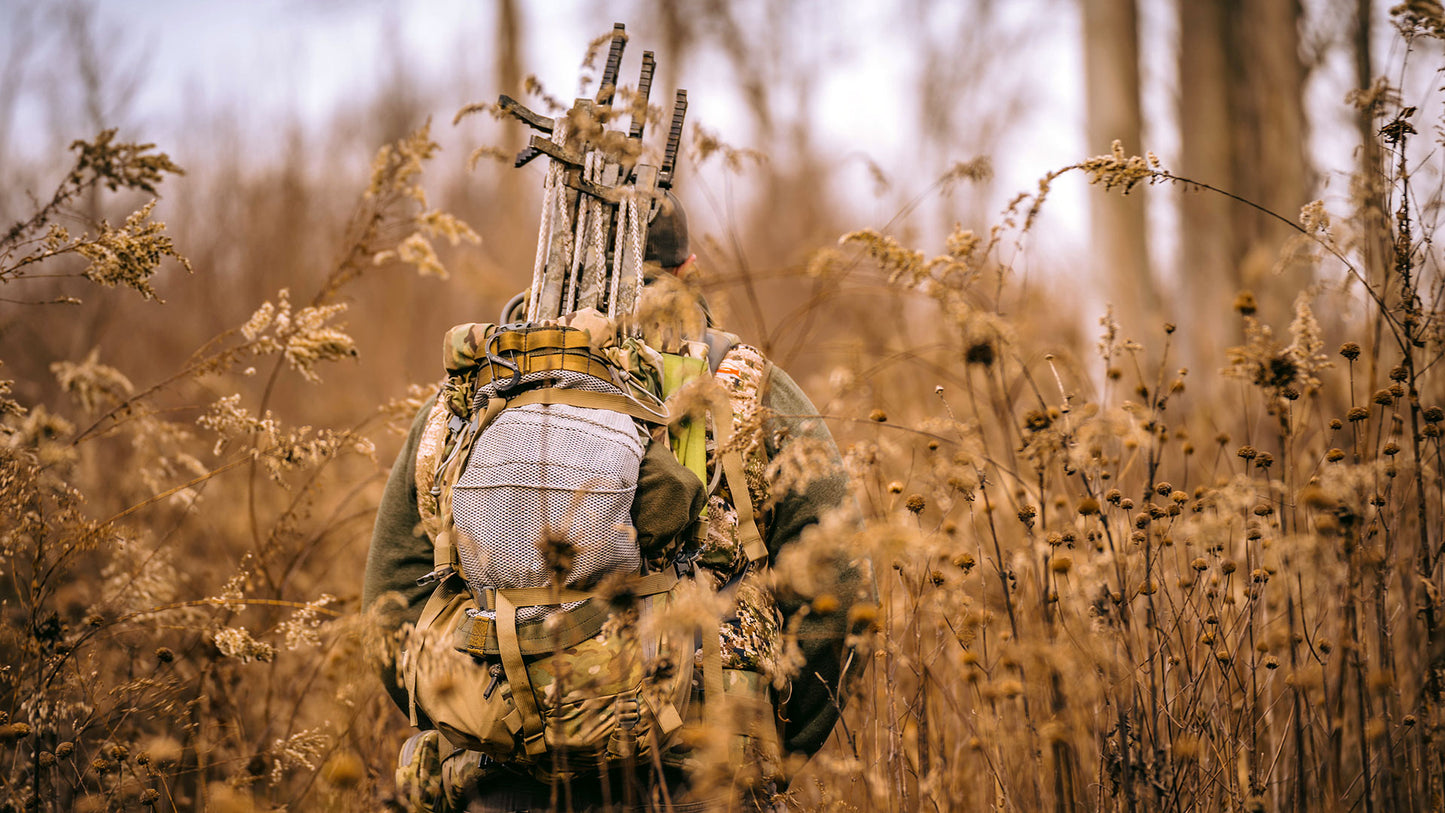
x=719 y=343
x=742 y=373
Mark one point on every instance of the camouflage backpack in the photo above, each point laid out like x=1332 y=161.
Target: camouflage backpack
x=533 y=651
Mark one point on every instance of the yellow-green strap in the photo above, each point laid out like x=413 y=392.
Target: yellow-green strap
x=532 y=729
x=689 y=439
x=592 y=400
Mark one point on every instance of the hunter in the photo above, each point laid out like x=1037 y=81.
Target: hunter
x=508 y=710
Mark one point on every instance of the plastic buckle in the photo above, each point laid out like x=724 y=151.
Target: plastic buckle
x=435 y=576
x=685 y=568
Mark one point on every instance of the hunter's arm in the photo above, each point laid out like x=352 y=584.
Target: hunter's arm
x=400 y=554
x=812 y=709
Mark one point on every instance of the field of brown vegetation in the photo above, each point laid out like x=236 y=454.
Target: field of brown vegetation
x=1106 y=582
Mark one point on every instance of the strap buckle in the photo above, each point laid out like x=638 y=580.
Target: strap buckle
x=436 y=575
x=486 y=598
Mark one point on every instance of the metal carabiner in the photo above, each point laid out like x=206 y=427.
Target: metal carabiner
x=506 y=364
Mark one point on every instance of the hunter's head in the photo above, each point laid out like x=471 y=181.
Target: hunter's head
x=667 y=243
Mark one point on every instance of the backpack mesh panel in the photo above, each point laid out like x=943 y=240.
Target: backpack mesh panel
x=566 y=471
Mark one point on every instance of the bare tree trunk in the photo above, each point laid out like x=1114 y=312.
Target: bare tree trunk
x=1208 y=244
x=1241 y=118
x=1111 y=73
x=514 y=188
x=1270 y=164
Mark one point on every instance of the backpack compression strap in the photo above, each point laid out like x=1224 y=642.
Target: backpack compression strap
x=528 y=722
x=730 y=457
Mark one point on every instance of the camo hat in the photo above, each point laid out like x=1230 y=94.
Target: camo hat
x=667 y=234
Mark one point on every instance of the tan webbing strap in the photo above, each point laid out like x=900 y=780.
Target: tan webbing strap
x=642 y=587
x=532 y=728
x=547 y=338
x=732 y=465
x=544 y=361
x=478 y=635
x=668 y=718
x=592 y=400
x=533 y=596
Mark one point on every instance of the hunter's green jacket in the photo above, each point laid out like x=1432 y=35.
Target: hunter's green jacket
x=400 y=554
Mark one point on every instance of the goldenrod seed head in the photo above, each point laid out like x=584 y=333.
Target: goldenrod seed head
x=13 y=732
x=825 y=604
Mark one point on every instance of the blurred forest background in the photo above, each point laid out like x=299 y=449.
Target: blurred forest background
x=854 y=118
x=810 y=120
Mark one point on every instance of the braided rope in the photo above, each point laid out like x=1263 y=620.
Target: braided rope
x=544 y=236
x=597 y=259
x=635 y=225
x=573 y=280
x=624 y=209
x=551 y=189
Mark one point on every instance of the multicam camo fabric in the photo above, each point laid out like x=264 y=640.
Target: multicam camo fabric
x=750 y=641
x=612 y=695
x=461 y=349
x=428 y=458
x=419 y=774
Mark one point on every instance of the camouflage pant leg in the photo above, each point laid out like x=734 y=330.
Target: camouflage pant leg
x=419 y=774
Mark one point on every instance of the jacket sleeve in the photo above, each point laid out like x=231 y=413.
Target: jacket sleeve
x=400 y=553
x=813 y=707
